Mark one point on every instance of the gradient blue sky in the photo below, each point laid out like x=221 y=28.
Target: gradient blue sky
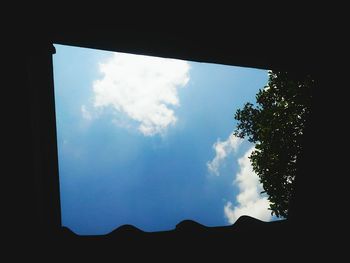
x=146 y=160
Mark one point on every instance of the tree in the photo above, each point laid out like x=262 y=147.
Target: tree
x=276 y=125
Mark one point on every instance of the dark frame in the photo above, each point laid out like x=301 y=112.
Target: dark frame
x=220 y=48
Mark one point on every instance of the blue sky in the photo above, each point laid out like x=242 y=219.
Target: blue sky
x=148 y=141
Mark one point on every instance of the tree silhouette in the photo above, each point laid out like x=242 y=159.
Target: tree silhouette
x=276 y=125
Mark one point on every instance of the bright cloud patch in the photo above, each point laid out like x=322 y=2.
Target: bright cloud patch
x=143 y=88
x=249 y=200
x=222 y=150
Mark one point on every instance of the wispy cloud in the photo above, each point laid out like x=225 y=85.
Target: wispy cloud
x=222 y=150
x=143 y=88
x=85 y=113
x=249 y=200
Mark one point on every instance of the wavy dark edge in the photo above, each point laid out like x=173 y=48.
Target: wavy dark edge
x=243 y=223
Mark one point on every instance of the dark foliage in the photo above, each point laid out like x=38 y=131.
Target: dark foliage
x=276 y=125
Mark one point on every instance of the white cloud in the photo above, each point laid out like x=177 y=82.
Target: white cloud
x=142 y=87
x=249 y=200
x=85 y=113
x=222 y=150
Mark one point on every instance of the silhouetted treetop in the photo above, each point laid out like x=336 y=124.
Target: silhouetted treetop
x=276 y=125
